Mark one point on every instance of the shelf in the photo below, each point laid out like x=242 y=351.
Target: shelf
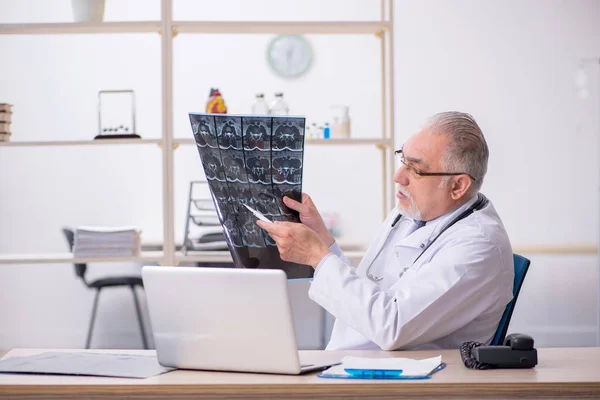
x=351 y=142
x=231 y=27
x=325 y=142
x=148 y=256
x=292 y=27
x=79 y=142
x=81 y=27
x=225 y=256
x=60 y=258
x=559 y=249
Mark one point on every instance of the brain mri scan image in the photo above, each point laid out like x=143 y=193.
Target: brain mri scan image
x=229 y=132
x=219 y=191
x=240 y=195
x=266 y=201
x=233 y=166
x=258 y=167
x=205 y=132
x=254 y=161
x=287 y=167
x=252 y=235
x=257 y=133
x=232 y=231
x=211 y=161
x=288 y=134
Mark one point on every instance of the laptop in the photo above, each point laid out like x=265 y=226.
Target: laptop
x=224 y=319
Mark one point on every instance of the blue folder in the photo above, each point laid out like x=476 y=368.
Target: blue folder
x=388 y=374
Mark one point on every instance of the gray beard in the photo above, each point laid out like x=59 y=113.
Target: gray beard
x=412 y=211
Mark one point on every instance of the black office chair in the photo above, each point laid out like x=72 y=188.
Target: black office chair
x=99 y=284
x=521 y=265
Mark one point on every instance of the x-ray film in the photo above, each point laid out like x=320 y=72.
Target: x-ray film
x=257 y=133
x=229 y=132
x=234 y=166
x=286 y=167
x=293 y=191
x=253 y=160
x=288 y=134
x=205 y=132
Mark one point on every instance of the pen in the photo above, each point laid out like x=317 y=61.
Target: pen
x=257 y=214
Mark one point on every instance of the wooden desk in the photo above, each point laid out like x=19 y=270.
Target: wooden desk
x=561 y=373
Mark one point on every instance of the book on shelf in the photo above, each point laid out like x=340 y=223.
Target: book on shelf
x=101 y=241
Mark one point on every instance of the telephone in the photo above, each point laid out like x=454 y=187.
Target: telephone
x=517 y=352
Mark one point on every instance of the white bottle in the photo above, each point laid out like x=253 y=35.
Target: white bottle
x=279 y=106
x=260 y=106
x=341 y=123
x=314 y=131
x=345 y=124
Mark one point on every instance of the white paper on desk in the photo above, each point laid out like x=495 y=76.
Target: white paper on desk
x=85 y=363
x=409 y=366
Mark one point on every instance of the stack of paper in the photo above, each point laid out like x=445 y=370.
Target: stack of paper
x=94 y=241
x=384 y=368
x=85 y=363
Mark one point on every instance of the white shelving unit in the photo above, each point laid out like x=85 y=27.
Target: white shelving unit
x=102 y=142
x=169 y=29
x=144 y=257
x=324 y=142
x=57 y=258
x=78 y=28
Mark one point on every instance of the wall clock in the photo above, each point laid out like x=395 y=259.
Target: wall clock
x=289 y=56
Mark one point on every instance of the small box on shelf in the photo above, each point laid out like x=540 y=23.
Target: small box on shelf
x=6 y=116
x=5 y=121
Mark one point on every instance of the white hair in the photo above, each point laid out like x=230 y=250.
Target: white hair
x=467 y=150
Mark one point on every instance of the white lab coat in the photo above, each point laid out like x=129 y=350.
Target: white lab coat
x=455 y=292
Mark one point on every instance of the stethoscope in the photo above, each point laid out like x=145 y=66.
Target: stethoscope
x=481 y=202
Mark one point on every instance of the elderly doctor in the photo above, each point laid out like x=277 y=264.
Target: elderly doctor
x=440 y=269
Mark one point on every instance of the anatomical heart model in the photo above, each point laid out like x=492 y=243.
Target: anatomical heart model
x=253 y=160
x=215 y=103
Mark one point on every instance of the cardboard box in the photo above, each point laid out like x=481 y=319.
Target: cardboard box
x=4 y=137
x=5 y=107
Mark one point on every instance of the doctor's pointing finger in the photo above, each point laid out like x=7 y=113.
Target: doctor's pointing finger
x=296 y=242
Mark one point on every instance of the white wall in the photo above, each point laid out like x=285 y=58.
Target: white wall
x=511 y=64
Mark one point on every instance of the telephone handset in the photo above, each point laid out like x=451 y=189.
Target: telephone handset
x=517 y=352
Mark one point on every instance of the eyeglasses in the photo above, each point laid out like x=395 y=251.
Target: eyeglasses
x=400 y=156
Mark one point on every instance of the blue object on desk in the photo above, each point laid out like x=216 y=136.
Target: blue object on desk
x=386 y=374
x=373 y=373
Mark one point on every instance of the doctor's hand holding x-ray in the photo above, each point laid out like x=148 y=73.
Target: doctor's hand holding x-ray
x=306 y=243
x=440 y=268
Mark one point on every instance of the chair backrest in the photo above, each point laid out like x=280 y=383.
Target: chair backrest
x=521 y=267
x=79 y=268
